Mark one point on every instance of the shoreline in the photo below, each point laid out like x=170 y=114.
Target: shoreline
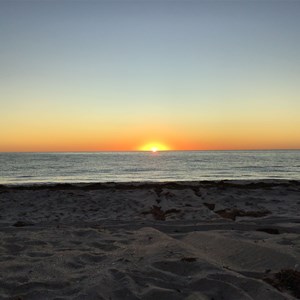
x=166 y=183
x=189 y=240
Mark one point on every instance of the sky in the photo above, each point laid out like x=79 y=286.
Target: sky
x=132 y=75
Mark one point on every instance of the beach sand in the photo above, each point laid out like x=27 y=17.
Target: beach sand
x=180 y=240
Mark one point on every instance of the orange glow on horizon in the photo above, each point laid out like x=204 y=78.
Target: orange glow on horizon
x=75 y=137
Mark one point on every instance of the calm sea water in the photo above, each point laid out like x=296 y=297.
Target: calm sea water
x=24 y=168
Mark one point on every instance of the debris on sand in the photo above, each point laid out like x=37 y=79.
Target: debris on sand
x=233 y=213
x=189 y=259
x=286 y=280
x=22 y=224
x=159 y=214
x=210 y=206
x=269 y=230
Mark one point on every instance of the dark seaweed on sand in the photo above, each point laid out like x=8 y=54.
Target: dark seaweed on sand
x=159 y=214
x=269 y=230
x=233 y=213
x=189 y=259
x=286 y=280
x=210 y=206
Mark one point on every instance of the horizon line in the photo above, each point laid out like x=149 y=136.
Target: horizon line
x=149 y=151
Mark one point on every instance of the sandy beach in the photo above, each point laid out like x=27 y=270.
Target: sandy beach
x=180 y=240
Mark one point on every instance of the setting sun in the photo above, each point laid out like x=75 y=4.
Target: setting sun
x=154 y=147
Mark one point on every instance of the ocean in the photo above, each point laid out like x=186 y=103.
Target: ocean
x=32 y=168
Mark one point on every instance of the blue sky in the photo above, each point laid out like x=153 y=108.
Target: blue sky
x=226 y=66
